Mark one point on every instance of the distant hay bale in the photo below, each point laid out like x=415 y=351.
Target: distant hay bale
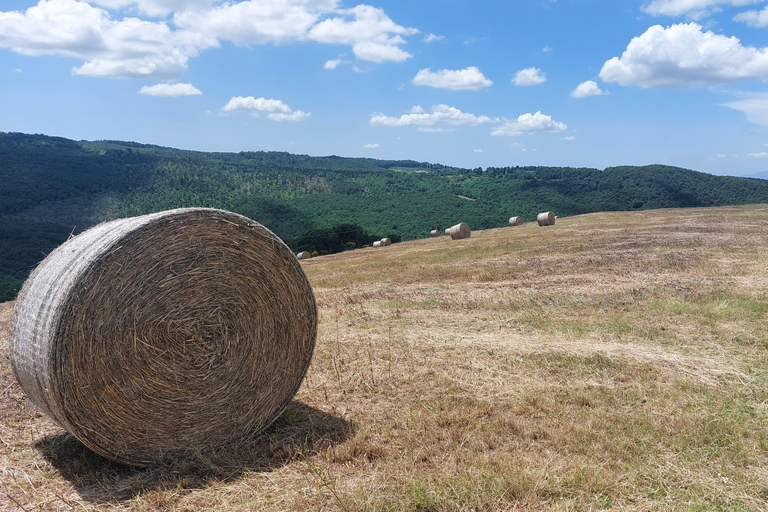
x=515 y=221
x=434 y=233
x=386 y=242
x=459 y=231
x=448 y=231
x=377 y=243
x=546 y=219
x=165 y=335
x=303 y=255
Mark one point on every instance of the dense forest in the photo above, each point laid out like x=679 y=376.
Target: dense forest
x=54 y=187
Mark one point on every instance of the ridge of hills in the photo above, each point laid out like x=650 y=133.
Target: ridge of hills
x=53 y=187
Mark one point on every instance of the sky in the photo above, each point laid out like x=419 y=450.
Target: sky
x=467 y=83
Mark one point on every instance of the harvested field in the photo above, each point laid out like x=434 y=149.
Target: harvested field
x=616 y=361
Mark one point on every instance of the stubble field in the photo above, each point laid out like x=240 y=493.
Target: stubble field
x=615 y=361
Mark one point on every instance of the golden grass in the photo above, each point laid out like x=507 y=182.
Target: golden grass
x=615 y=361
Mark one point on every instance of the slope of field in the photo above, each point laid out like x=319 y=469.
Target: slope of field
x=615 y=361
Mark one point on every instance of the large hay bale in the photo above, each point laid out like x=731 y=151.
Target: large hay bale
x=386 y=242
x=434 y=233
x=459 y=231
x=515 y=221
x=165 y=335
x=377 y=243
x=447 y=231
x=303 y=255
x=546 y=219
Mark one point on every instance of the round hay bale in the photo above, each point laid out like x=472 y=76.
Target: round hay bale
x=386 y=242
x=447 y=231
x=434 y=233
x=459 y=231
x=303 y=255
x=166 y=335
x=515 y=221
x=377 y=243
x=546 y=219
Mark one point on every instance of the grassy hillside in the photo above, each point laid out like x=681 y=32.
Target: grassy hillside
x=615 y=361
x=53 y=187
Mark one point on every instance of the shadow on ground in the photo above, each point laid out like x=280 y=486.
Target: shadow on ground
x=299 y=432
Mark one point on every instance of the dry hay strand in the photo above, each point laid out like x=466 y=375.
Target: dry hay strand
x=515 y=221
x=165 y=335
x=434 y=233
x=459 y=231
x=303 y=255
x=546 y=219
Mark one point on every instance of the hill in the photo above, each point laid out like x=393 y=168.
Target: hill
x=615 y=361
x=53 y=187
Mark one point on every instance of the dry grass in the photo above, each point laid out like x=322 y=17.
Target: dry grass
x=615 y=361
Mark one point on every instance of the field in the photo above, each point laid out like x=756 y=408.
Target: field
x=615 y=361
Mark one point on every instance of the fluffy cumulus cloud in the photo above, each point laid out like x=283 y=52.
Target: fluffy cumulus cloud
x=527 y=123
x=754 y=18
x=427 y=120
x=371 y=33
x=692 y=8
x=170 y=90
x=588 y=88
x=156 y=38
x=456 y=80
x=529 y=76
x=275 y=110
x=755 y=108
x=684 y=55
x=129 y=47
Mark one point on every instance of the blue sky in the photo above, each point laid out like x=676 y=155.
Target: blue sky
x=469 y=83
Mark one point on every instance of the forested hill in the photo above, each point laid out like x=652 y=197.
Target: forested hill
x=51 y=187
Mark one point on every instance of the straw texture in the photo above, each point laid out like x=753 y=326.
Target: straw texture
x=459 y=231
x=515 y=221
x=546 y=219
x=165 y=335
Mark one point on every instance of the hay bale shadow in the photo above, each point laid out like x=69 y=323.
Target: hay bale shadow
x=301 y=431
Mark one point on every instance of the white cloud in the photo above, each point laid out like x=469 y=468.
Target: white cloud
x=170 y=90
x=683 y=55
x=372 y=34
x=431 y=38
x=529 y=123
x=588 y=88
x=547 y=49
x=569 y=138
x=755 y=107
x=461 y=79
x=332 y=64
x=440 y=114
x=762 y=154
x=477 y=150
x=375 y=145
x=754 y=18
x=131 y=46
x=529 y=76
x=275 y=110
x=256 y=21
x=693 y=8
